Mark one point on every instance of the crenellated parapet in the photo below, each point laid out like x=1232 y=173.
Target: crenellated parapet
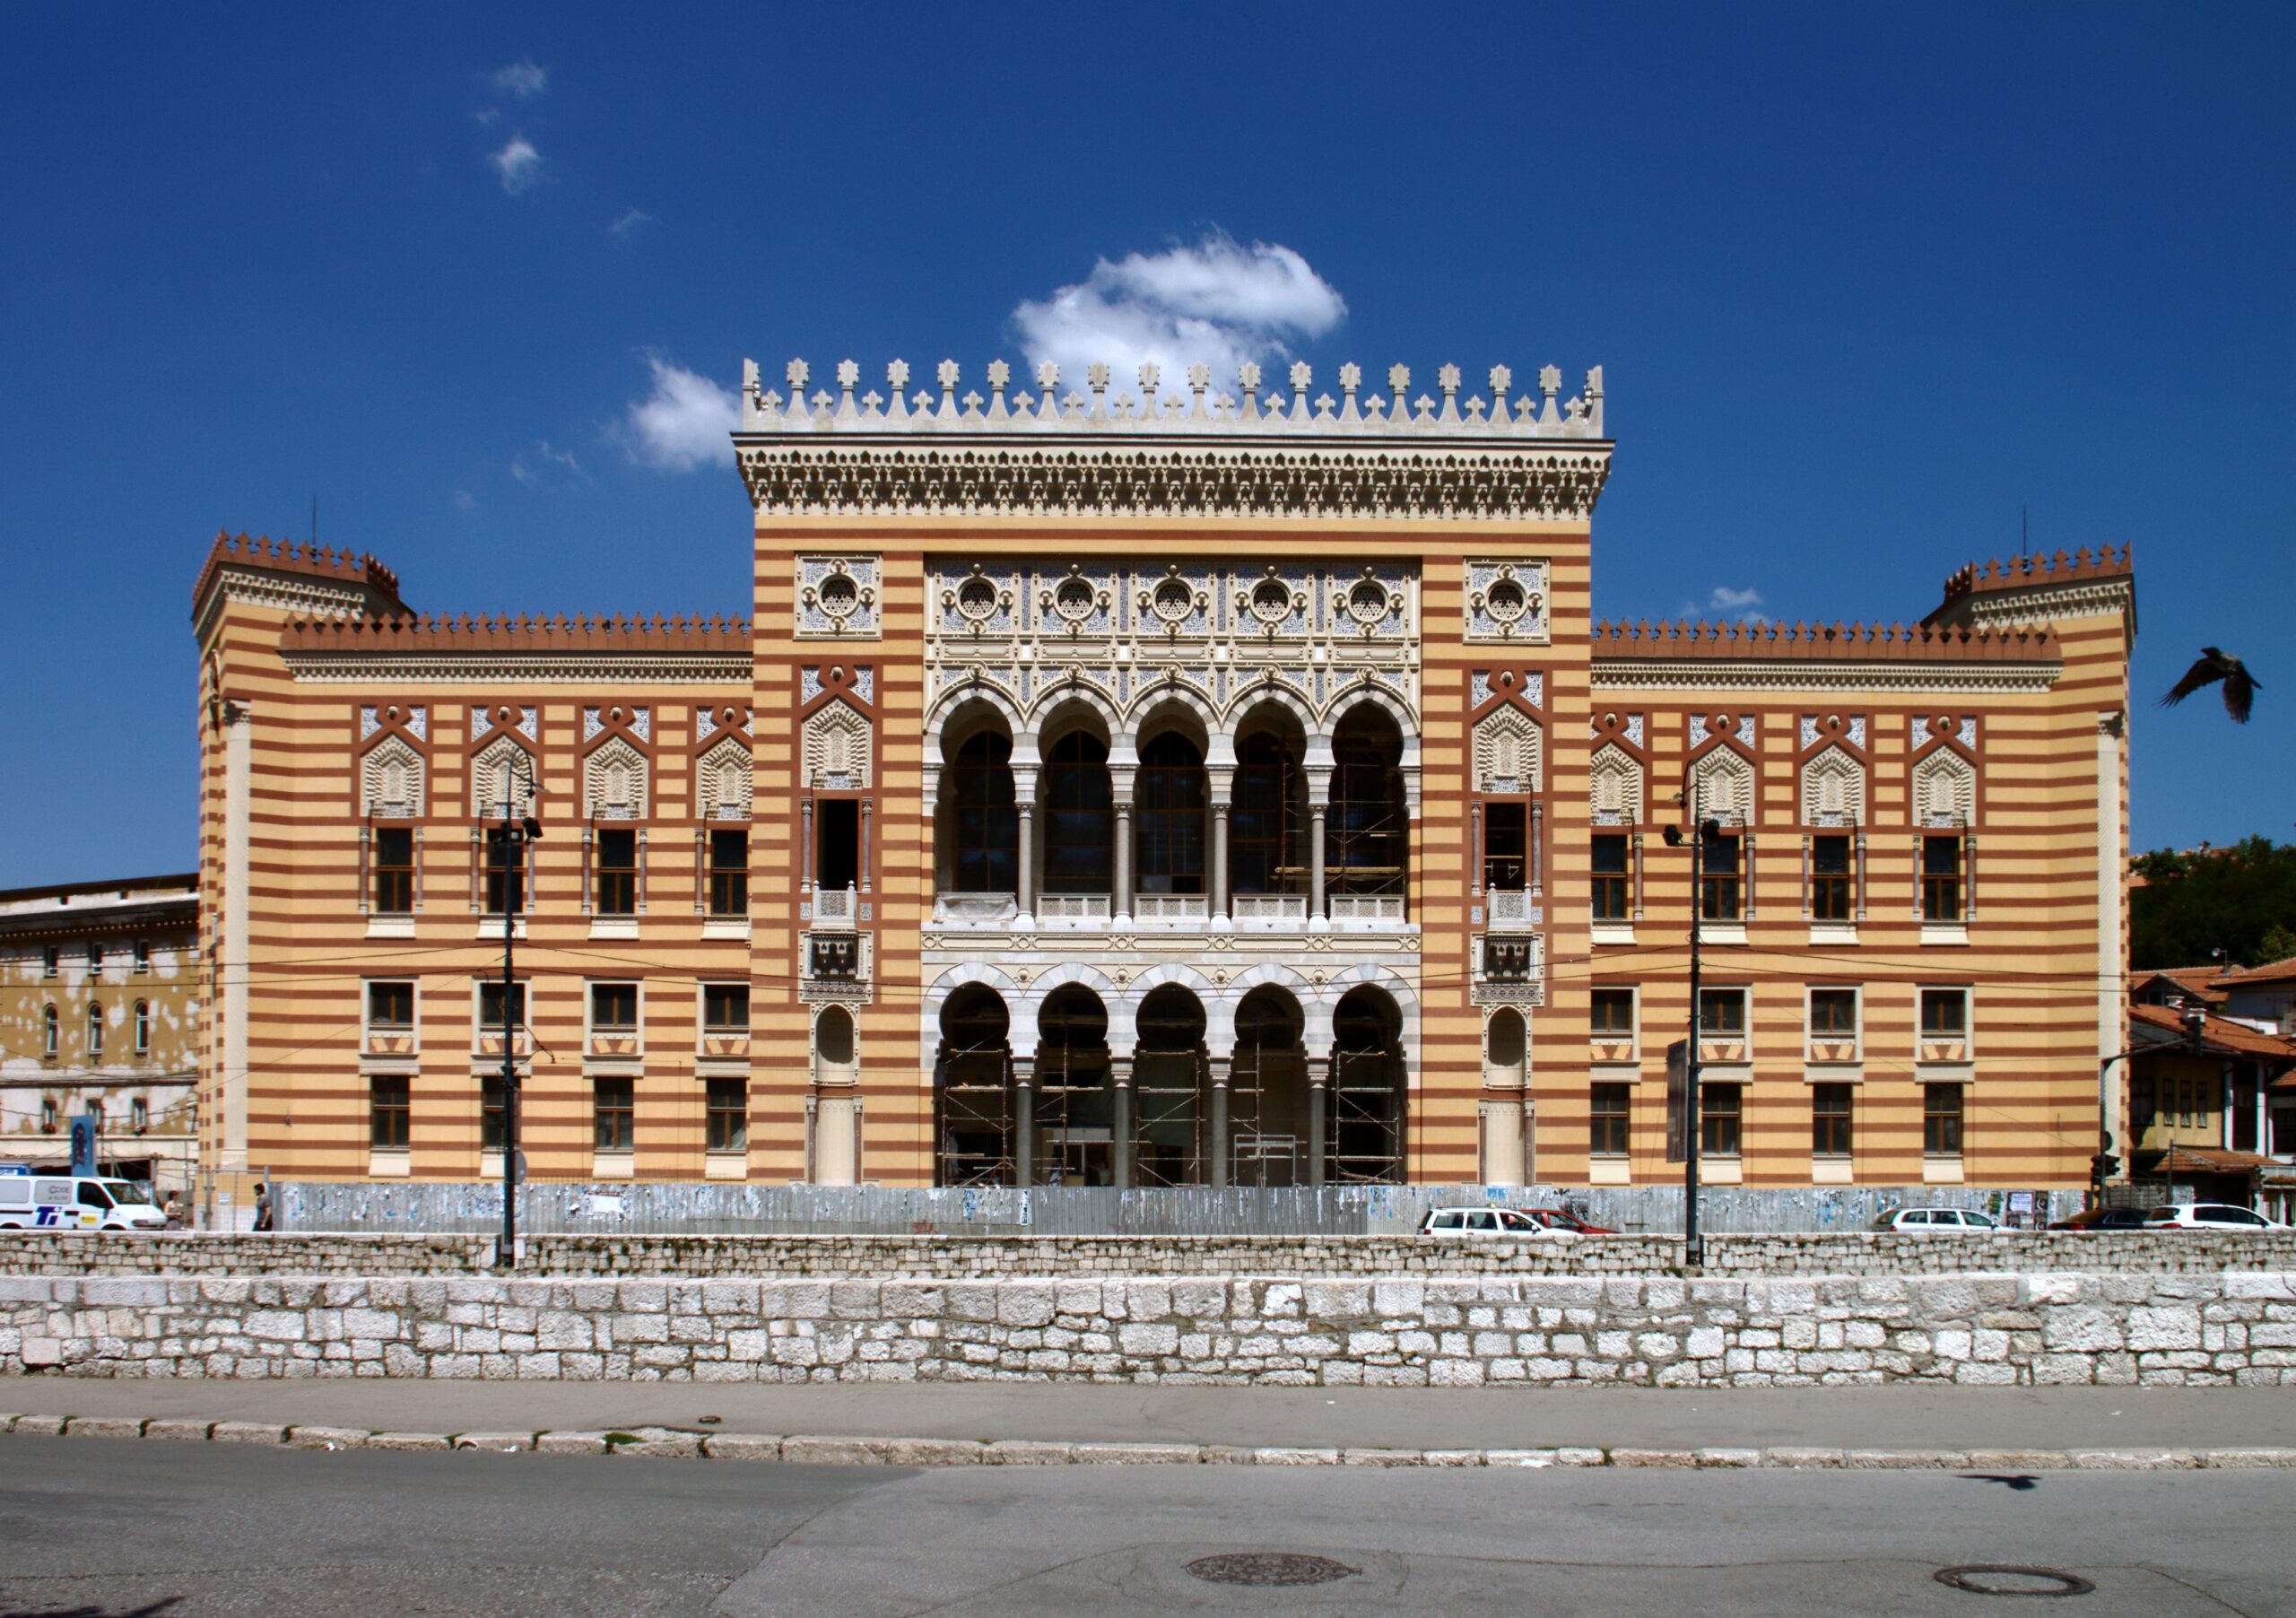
x=1806 y=656
x=2036 y=589
x=504 y=646
x=1186 y=451
x=297 y=578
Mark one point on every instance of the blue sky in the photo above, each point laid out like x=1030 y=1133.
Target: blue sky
x=1866 y=284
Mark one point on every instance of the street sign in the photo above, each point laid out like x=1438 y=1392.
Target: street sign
x=1678 y=1101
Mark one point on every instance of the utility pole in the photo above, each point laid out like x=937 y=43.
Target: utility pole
x=514 y=837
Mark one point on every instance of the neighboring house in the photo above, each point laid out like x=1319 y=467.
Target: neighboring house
x=2212 y=1109
x=2262 y=996
x=99 y=992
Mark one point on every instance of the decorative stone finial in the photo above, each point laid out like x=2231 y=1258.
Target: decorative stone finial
x=999 y=374
x=1351 y=378
x=1151 y=374
x=1199 y=377
x=1300 y=375
x=1247 y=375
x=799 y=373
x=1048 y=376
x=1096 y=376
x=847 y=374
x=947 y=373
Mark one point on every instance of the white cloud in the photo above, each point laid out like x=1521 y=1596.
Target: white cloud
x=546 y=463
x=518 y=164
x=1218 y=302
x=522 y=79
x=1744 y=603
x=465 y=500
x=686 y=422
x=632 y=222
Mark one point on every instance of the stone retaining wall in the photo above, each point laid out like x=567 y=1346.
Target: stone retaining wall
x=1857 y=1253
x=1980 y=1328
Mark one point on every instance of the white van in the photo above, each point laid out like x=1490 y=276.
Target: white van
x=65 y=1202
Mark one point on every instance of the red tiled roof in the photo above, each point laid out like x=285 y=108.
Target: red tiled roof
x=2220 y=1036
x=2194 y=980
x=2276 y=971
x=2209 y=1159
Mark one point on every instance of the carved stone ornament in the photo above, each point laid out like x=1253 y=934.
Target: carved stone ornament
x=836 y=596
x=1506 y=601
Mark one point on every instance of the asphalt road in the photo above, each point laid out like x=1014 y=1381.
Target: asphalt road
x=100 y=1529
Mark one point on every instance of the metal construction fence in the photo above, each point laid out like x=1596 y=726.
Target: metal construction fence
x=662 y=1208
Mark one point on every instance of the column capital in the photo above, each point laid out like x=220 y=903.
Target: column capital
x=1024 y=1070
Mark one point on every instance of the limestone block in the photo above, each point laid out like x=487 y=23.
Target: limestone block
x=327 y=1438
x=105 y=1427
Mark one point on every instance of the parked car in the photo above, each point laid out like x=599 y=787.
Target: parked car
x=67 y=1202
x=1563 y=1219
x=1479 y=1222
x=2103 y=1219
x=1935 y=1220
x=2208 y=1216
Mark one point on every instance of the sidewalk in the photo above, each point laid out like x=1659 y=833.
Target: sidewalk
x=1948 y=1426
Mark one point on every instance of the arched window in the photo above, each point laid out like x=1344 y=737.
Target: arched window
x=95 y=1031
x=50 y=1033
x=1507 y=1051
x=1172 y=797
x=973 y=1135
x=143 y=1028
x=834 y=1058
x=1166 y=1072
x=1266 y=842
x=985 y=831
x=1079 y=816
x=1368 y=828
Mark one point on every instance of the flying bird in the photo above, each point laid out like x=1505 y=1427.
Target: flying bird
x=2240 y=687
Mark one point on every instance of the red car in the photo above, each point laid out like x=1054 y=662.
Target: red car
x=1558 y=1219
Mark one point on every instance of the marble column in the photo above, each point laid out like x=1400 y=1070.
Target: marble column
x=1220 y=805
x=1218 y=1174
x=1319 y=1117
x=1024 y=807
x=1120 y=1122
x=1025 y=1120
x=1122 y=909
x=1318 y=811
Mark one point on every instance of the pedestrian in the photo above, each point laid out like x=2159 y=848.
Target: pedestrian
x=173 y=1210
x=262 y=1208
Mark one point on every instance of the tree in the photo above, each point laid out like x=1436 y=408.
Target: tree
x=2196 y=901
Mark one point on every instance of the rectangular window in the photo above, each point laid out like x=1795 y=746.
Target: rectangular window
x=1720 y=898
x=1609 y=1115
x=1610 y=1013
x=729 y=873
x=613 y=1008
x=1720 y=1114
x=1941 y=877
x=1944 y=1013
x=388 y=1111
x=1941 y=1120
x=1614 y=898
x=143 y=957
x=1833 y=880
x=1833 y=1013
x=616 y=1115
x=490 y=1006
x=489 y=1113
x=837 y=833
x=1722 y=1012
x=617 y=872
x=725 y=1008
x=394 y=872
x=506 y=874
x=391 y=1005
x=729 y=1115
x=1829 y=1120
x=139 y=1114
x=51 y=958
x=1506 y=846
x=95 y=960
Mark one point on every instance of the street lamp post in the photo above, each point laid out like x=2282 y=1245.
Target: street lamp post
x=1693 y=1239
x=516 y=833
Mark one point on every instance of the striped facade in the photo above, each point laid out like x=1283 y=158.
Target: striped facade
x=1179 y=795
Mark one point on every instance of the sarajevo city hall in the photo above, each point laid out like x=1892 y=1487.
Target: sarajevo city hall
x=1147 y=781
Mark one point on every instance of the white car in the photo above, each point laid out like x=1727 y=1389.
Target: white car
x=1479 y=1222
x=1935 y=1220
x=2208 y=1216
x=67 y=1202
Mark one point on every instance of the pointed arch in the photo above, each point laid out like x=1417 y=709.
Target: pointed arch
x=390 y=779
x=1725 y=783
x=613 y=781
x=1615 y=786
x=835 y=749
x=502 y=772
x=1944 y=790
x=1833 y=790
x=1508 y=751
x=723 y=783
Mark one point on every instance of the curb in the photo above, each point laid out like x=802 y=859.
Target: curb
x=817 y=1449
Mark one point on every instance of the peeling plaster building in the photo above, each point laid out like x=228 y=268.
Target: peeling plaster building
x=99 y=1000
x=1163 y=785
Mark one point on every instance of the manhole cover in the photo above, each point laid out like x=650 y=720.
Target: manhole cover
x=1986 y=1579
x=1269 y=1567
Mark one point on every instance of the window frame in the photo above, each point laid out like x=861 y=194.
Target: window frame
x=1962 y=992
x=1738 y=992
x=391 y=885
x=727 y=885
x=1517 y=860
x=1944 y=896
x=141 y=1023
x=522 y=1006
x=614 y=987
x=1834 y=894
x=375 y=1023
x=1717 y=1124
x=1833 y=1120
x=1610 y=897
x=1832 y=992
x=390 y=1112
x=615 y=890
x=717 y=1138
x=1609 y=1033
x=1727 y=888
x=613 y=1113
x=710 y=987
x=1610 y=1119
x=1937 y=1121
